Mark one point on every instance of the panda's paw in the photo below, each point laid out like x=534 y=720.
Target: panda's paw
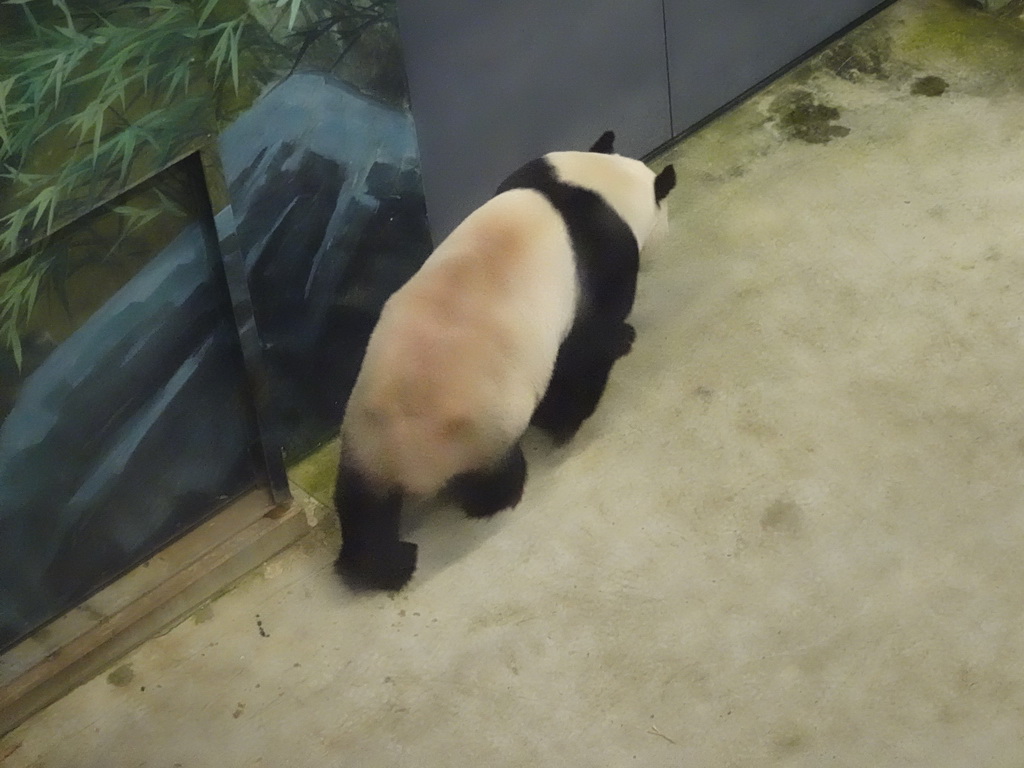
x=623 y=342
x=562 y=433
x=386 y=569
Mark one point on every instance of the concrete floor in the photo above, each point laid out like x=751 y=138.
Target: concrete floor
x=793 y=534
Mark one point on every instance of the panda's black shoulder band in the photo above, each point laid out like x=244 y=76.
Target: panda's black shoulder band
x=537 y=174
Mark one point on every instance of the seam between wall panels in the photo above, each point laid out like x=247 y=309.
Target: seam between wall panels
x=668 y=71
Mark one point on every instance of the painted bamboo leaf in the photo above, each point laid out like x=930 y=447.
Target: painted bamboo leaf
x=293 y=10
x=126 y=141
x=14 y=343
x=45 y=201
x=93 y=94
x=207 y=9
x=234 y=55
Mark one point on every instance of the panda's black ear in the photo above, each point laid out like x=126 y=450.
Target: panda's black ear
x=664 y=183
x=604 y=144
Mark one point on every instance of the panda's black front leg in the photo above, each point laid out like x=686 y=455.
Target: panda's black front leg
x=622 y=342
x=372 y=556
x=569 y=402
x=581 y=374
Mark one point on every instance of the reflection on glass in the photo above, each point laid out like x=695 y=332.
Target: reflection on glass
x=125 y=417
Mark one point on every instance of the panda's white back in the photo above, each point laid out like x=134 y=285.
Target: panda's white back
x=464 y=351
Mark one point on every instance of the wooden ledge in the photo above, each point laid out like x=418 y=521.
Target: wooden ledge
x=144 y=602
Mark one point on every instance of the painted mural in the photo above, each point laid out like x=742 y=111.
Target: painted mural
x=125 y=415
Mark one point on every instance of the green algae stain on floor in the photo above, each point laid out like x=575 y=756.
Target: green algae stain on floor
x=802 y=117
x=203 y=615
x=858 y=56
x=929 y=85
x=316 y=473
x=121 y=676
x=984 y=48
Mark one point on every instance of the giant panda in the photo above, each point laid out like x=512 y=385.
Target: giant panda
x=517 y=317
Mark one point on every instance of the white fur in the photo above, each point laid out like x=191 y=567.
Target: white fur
x=463 y=352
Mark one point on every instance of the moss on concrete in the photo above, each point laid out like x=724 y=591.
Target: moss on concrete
x=929 y=85
x=121 y=676
x=801 y=116
x=317 y=472
x=985 y=47
x=857 y=56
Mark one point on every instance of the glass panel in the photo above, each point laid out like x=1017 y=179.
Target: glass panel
x=125 y=416
x=324 y=178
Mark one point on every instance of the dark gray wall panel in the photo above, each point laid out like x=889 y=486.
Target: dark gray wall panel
x=717 y=50
x=494 y=83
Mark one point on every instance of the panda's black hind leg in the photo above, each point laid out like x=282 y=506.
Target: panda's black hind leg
x=371 y=557
x=484 y=492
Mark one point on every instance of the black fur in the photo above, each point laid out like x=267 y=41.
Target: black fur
x=580 y=376
x=607 y=262
x=484 y=493
x=664 y=183
x=372 y=556
x=604 y=145
x=624 y=340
